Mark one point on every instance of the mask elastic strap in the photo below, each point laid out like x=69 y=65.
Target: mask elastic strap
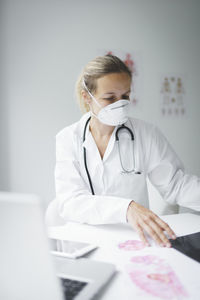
x=93 y=98
x=92 y=114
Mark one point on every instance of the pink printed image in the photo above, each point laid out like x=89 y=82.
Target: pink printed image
x=154 y=276
x=131 y=245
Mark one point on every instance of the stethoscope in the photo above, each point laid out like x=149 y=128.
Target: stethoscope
x=122 y=127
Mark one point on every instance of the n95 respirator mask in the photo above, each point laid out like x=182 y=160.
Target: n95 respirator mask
x=112 y=114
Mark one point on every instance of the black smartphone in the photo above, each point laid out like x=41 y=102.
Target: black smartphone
x=188 y=245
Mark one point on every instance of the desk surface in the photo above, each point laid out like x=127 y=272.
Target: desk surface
x=142 y=273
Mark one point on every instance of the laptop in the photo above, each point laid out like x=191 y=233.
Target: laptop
x=28 y=270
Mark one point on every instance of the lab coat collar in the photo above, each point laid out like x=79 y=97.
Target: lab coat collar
x=81 y=125
x=88 y=135
x=90 y=144
x=89 y=140
x=79 y=129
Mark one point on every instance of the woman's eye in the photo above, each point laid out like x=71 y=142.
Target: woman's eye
x=126 y=97
x=113 y=98
x=109 y=99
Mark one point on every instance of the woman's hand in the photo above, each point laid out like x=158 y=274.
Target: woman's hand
x=143 y=219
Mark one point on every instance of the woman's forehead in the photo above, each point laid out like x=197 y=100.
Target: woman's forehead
x=113 y=82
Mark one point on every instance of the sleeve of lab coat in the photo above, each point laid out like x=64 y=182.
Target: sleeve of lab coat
x=166 y=173
x=74 y=199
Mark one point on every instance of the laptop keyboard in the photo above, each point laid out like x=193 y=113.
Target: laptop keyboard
x=71 y=288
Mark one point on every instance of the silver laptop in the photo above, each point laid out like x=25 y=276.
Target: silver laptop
x=28 y=270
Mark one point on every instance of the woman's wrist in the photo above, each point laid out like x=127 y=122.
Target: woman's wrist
x=128 y=209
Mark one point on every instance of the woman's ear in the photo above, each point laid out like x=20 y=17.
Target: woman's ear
x=86 y=97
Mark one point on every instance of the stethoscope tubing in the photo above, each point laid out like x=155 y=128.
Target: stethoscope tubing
x=85 y=158
x=117 y=139
x=123 y=127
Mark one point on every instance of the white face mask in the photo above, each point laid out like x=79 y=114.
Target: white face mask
x=112 y=114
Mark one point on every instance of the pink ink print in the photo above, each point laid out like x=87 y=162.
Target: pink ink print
x=148 y=259
x=154 y=276
x=132 y=245
x=160 y=277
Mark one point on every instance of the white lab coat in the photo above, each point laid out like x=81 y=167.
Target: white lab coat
x=114 y=190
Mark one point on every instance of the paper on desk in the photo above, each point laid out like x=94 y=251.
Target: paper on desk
x=156 y=272
x=148 y=272
x=159 y=272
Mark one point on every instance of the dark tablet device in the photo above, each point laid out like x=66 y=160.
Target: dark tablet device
x=188 y=245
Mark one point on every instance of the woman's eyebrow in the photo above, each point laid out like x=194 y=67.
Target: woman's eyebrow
x=113 y=93
x=108 y=93
x=127 y=91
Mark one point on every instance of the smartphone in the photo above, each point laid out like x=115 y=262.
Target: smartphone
x=70 y=249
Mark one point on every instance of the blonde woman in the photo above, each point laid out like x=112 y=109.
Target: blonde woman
x=103 y=160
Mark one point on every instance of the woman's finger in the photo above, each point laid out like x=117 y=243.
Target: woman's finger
x=141 y=234
x=160 y=233
x=153 y=234
x=165 y=226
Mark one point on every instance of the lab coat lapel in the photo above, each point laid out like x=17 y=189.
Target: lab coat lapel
x=91 y=146
x=110 y=145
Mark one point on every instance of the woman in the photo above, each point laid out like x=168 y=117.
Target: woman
x=100 y=180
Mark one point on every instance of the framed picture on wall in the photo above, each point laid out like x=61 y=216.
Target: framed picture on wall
x=173 y=95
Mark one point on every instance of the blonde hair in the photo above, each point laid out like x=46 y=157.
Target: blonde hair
x=96 y=68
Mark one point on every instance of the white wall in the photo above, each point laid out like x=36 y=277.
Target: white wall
x=4 y=160
x=46 y=43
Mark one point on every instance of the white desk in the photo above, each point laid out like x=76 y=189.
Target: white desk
x=108 y=237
